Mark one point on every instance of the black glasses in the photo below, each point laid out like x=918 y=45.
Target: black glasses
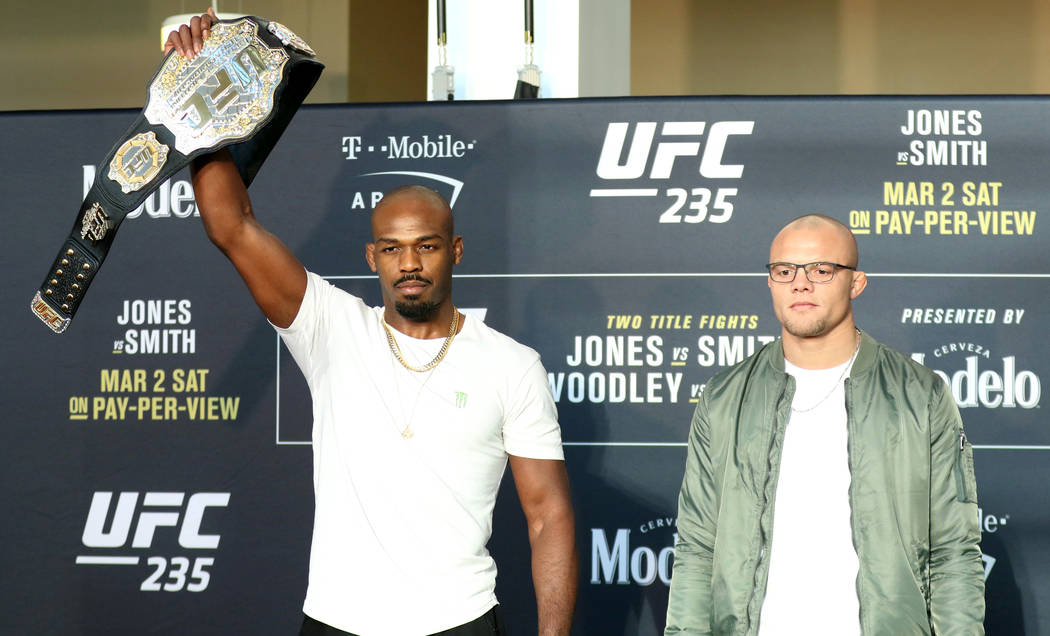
x=820 y=272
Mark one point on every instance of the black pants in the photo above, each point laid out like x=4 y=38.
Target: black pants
x=487 y=624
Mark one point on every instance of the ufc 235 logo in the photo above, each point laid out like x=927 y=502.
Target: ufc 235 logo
x=680 y=143
x=172 y=515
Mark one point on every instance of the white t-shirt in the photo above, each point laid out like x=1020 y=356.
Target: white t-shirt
x=813 y=565
x=401 y=523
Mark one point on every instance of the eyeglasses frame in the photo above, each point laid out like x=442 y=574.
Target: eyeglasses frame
x=797 y=266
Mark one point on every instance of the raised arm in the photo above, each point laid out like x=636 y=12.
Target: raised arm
x=543 y=488
x=275 y=278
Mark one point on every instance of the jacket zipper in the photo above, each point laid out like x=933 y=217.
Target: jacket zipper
x=763 y=547
x=853 y=526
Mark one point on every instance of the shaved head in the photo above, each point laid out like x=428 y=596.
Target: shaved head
x=834 y=230
x=420 y=196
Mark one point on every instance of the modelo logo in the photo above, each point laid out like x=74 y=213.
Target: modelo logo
x=172 y=198
x=991 y=388
x=158 y=510
x=990 y=524
x=620 y=564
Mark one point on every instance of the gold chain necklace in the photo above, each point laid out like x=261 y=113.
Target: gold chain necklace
x=407 y=431
x=396 y=350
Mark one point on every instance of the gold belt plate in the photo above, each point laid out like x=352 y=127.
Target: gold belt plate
x=138 y=161
x=224 y=93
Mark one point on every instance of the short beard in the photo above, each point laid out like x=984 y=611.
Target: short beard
x=417 y=311
x=813 y=330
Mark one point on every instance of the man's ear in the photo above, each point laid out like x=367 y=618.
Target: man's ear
x=860 y=281
x=457 y=250
x=370 y=255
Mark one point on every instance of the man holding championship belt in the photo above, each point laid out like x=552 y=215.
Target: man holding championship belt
x=417 y=411
x=240 y=93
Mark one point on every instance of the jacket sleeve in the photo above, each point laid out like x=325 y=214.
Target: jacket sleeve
x=956 y=569
x=689 y=604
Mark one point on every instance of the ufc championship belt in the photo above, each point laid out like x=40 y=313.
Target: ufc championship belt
x=240 y=91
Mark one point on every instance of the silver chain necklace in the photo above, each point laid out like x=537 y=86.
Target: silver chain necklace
x=836 y=385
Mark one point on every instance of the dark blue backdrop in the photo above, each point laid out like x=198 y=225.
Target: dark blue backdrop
x=623 y=239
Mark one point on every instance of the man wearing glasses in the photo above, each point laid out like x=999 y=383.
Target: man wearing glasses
x=829 y=486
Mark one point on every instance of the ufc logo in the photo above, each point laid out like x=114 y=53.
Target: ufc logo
x=677 y=139
x=158 y=509
x=140 y=161
x=220 y=90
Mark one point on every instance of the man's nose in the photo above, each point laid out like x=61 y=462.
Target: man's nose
x=410 y=261
x=801 y=282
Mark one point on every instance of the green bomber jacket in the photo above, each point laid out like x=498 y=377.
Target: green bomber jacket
x=912 y=495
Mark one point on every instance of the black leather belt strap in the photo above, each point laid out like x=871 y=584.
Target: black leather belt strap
x=240 y=91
